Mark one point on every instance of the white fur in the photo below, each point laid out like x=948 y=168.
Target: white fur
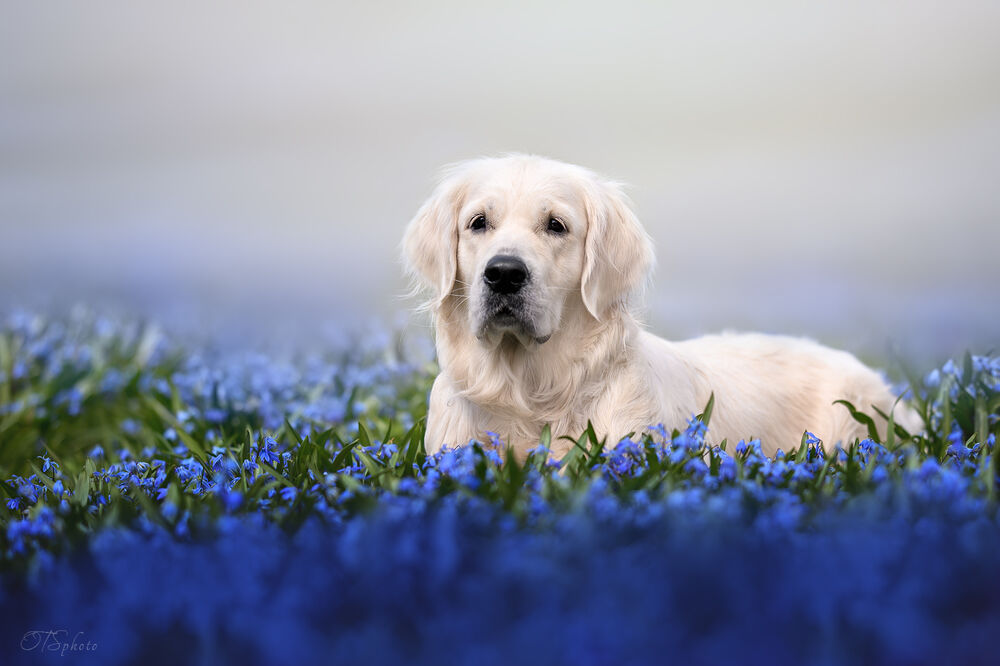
x=580 y=353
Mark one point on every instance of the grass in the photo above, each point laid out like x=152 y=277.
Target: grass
x=129 y=456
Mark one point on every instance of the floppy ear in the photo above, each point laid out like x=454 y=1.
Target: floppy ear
x=430 y=244
x=618 y=254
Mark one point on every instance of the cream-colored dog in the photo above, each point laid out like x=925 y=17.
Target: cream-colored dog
x=532 y=263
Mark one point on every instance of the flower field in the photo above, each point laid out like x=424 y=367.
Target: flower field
x=164 y=503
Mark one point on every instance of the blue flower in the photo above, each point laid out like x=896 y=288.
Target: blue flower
x=213 y=415
x=751 y=448
x=801 y=474
x=48 y=464
x=620 y=464
x=539 y=451
x=232 y=500
x=268 y=453
x=29 y=492
x=959 y=450
x=933 y=379
x=169 y=510
x=696 y=467
x=929 y=468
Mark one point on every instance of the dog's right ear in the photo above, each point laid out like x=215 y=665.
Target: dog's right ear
x=430 y=244
x=618 y=254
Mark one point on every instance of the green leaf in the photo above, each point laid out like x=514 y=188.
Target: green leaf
x=348 y=482
x=278 y=476
x=512 y=480
x=803 y=451
x=364 y=435
x=343 y=458
x=894 y=427
x=982 y=430
x=861 y=418
x=706 y=414
x=414 y=443
x=596 y=445
x=572 y=461
x=193 y=446
x=81 y=490
x=293 y=432
x=375 y=469
x=546 y=437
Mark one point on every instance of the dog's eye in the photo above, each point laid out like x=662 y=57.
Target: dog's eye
x=556 y=227
x=478 y=223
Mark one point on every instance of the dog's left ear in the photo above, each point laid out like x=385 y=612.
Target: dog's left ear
x=618 y=254
x=430 y=244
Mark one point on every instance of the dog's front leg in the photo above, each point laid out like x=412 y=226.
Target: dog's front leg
x=451 y=419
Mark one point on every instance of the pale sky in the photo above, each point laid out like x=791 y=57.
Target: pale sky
x=826 y=169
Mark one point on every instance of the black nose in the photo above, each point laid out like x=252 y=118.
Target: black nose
x=505 y=274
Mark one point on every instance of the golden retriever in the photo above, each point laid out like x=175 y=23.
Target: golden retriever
x=533 y=264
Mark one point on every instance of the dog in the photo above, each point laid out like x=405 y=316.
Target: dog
x=533 y=267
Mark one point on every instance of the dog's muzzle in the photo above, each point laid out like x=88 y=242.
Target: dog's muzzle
x=505 y=303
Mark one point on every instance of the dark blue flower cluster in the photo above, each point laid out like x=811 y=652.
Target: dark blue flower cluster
x=225 y=506
x=460 y=582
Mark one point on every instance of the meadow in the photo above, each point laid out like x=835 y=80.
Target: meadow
x=166 y=502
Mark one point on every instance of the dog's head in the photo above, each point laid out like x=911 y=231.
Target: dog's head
x=517 y=239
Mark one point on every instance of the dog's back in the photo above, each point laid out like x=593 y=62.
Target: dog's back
x=775 y=387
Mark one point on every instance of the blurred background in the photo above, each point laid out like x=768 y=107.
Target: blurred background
x=827 y=169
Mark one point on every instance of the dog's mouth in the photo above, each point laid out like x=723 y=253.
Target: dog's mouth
x=508 y=317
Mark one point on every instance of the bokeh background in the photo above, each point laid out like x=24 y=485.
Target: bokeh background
x=827 y=169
